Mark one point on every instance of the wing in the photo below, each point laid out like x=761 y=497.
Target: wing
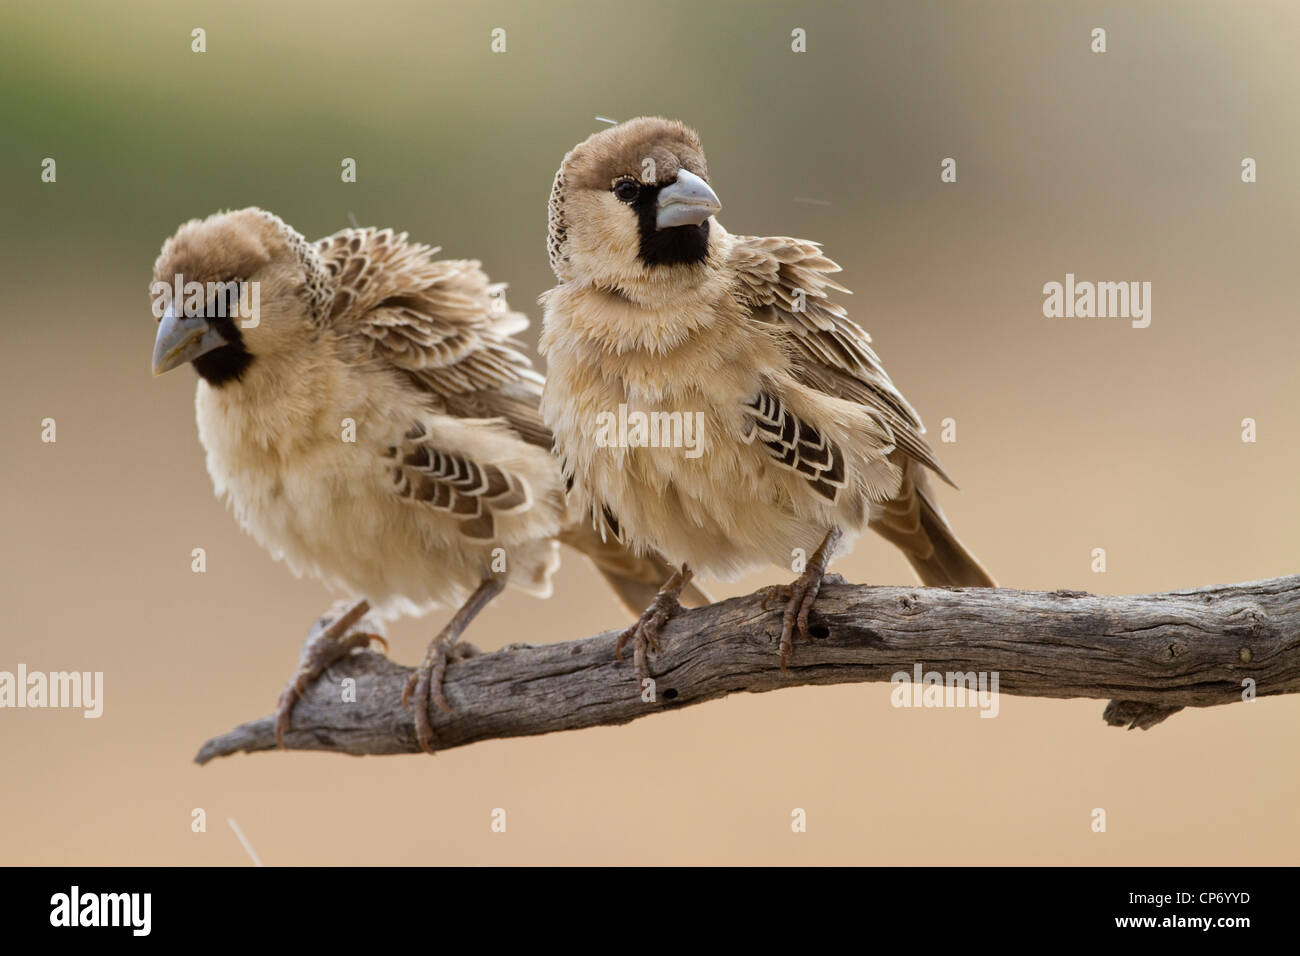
x=786 y=284
x=441 y=322
x=473 y=493
x=796 y=444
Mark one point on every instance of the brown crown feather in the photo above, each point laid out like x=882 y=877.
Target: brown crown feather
x=610 y=154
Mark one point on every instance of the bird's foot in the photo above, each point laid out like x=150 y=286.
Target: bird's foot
x=799 y=597
x=644 y=634
x=332 y=643
x=424 y=686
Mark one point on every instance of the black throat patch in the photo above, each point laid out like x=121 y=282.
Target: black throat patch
x=228 y=363
x=678 y=245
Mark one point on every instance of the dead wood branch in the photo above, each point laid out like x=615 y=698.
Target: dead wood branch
x=1151 y=654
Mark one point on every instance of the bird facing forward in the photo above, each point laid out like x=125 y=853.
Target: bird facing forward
x=374 y=424
x=659 y=311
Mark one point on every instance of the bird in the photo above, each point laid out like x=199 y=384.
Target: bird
x=372 y=421
x=803 y=440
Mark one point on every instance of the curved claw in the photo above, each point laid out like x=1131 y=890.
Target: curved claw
x=772 y=592
x=283 y=715
x=645 y=634
x=425 y=686
x=436 y=677
x=646 y=630
x=801 y=595
x=333 y=643
x=806 y=605
x=423 y=725
x=623 y=639
x=409 y=689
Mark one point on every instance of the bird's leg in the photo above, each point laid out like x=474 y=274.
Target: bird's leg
x=801 y=593
x=424 y=686
x=334 y=642
x=645 y=632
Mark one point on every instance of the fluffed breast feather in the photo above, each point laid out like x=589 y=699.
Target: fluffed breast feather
x=802 y=427
x=450 y=460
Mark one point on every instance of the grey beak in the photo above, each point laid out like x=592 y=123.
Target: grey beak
x=182 y=339
x=687 y=202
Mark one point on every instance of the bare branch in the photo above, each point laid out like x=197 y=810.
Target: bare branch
x=1154 y=654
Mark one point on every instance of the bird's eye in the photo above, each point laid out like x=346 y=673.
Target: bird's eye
x=626 y=190
x=227 y=298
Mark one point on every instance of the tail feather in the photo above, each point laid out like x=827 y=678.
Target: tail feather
x=914 y=523
x=636 y=580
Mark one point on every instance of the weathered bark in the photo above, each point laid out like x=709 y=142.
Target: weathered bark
x=1154 y=654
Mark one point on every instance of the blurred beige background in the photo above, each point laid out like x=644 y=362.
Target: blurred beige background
x=1072 y=434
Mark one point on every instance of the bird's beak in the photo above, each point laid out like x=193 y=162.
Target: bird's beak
x=687 y=202
x=182 y=339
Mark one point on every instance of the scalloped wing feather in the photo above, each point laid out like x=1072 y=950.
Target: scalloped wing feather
x=474 y=493
x=786 y=284
x=440 y=320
